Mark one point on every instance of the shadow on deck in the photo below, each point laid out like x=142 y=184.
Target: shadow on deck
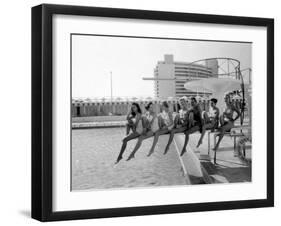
x=221 y=173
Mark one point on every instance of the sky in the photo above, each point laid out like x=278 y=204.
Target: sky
x=94 y=58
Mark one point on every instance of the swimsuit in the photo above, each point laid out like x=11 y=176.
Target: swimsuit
x=166 y=119
x=153 y=120
x=213 y=117
x=228 y=114
x=197 y=117
x=154 y=125
x=212 y=112
x=182 y=114
x=139 y=127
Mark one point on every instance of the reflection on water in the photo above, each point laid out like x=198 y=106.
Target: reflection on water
x=94 y=152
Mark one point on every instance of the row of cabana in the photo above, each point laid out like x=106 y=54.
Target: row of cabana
x=236 y=95
x=119 y=100
x=102 y=107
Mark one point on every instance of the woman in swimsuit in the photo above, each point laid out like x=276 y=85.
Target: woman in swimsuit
x=181 y=122
x=166 y=124
x=226 y=119
x=211 y=119
x=195 y=121
x=131 y=120
x=151 y=125
x=137 y=129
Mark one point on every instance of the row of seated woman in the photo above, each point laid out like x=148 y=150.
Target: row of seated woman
x=187 y=121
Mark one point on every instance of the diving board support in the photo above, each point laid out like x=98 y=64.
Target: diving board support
x=182 y=164
x=191 y=164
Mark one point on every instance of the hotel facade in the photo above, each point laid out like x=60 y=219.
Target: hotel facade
x=170 y=76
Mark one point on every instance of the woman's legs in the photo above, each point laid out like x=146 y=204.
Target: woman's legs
x=206 y=117
x=187 y=133
x=127 y=129
x=221 y=120
x=191 y=121
x=176 y=121
x=138 y=144
x=172 y=134
x=223 y=130
x=207 y=126
x=155 y=140
x=200 y=141
x=124 y=145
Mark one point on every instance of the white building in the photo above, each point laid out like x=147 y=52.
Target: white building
x=170 y=76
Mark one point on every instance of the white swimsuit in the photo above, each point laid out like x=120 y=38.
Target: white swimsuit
x=166 y=118
x=212 y=113
x=154 y=126
x=182 y=113
x=139 y=127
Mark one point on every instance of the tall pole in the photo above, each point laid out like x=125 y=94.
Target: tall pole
x=111 y=99
x=250 y=98
x=111 y=86
x=228 y=66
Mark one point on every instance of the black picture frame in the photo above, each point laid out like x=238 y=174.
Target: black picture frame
x=42 y=107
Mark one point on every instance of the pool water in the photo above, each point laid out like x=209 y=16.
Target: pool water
x=94 y=152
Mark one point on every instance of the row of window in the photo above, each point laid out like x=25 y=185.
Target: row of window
x=199 y=67
x=193 y=74
x=193 y=69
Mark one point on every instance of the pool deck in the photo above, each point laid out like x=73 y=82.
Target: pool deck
x=94 y=154
x=87 y=125
x=230 y=167
x=196 y=163
x=98 y=122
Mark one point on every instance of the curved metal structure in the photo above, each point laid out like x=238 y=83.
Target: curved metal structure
x=222 y=67
x=227 y=67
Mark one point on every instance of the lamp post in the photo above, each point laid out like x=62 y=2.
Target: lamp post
x=111 y=97
x=111 y=87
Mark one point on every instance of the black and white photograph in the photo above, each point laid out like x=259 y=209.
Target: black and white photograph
x=151 y=111
x=142 y=112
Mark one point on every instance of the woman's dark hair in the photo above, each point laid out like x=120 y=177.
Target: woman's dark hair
x=214 y=100
x=194 y=99
x=178 y=106
x=147 y=106
x=165 y=104
x=138 y=108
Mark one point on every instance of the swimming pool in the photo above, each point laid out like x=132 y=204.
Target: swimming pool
x=94 y=152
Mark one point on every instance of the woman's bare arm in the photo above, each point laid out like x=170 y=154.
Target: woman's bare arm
x=170 y=115
x=129 y=114
x=238 y=113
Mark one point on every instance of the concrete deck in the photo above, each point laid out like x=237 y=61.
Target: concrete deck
x=197 y=165
x=109 y=124
x=230 y=166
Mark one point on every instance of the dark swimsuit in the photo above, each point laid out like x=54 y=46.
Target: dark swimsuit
x=215 y=120
x=229 y=114
x=197 y=117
